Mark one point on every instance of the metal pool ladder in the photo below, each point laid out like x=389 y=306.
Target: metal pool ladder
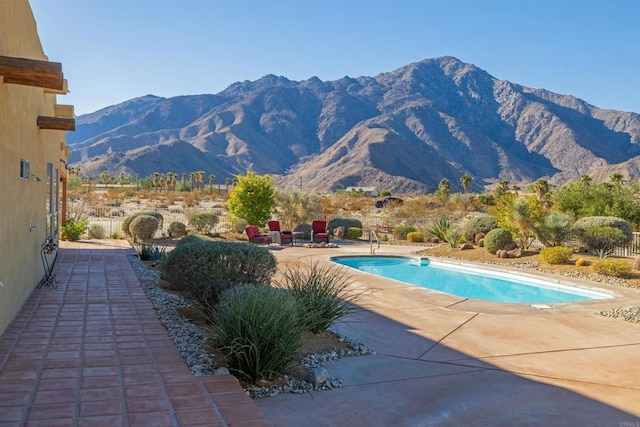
x=372 y=235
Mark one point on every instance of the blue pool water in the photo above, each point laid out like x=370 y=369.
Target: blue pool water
x=468 y=282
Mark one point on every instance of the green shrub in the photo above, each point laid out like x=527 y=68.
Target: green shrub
x=583 y=224
x=305 y=229
x=452 y=237
x=96 y=231
x=259 y=330
x=556 y=255
x=440 y=228
x=322 y=294
x=127 y=221
x=116 y=235
x=497 y=239
x=602 y=240
x=203 y=221
x=193 y=238
x=612 y=267
x=343 y=222
x=239 y=225
x=353 y=233
x=384 y=193
x=556 y=228
x=478 y=224
x=177 y=229
x=72 y=229
x=143 y=227
x=400 y=231
x=415 y=236
x=206 y=269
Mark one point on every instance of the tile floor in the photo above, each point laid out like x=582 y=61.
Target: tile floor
x=93 y=353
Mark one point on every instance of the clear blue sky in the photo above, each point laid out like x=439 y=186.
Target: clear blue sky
x=114 y=50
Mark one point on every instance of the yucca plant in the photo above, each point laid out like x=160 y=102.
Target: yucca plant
x=259 y=329
x=440 y=228
x=322 y=294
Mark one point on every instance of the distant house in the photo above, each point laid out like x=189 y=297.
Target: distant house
x=371 y=191
x=33 y=155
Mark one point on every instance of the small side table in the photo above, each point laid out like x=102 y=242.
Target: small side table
x=298 y=235
x=275 y=237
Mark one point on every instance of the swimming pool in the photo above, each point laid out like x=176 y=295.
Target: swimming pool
x=467 y=281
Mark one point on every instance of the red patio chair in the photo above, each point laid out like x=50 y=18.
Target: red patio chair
x=319 y=231
x=286 y=237
x=253 y=232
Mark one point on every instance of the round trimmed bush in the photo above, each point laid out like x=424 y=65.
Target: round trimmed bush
x=612 y=267
x=353 y=233
x=203 y=221
x=583 y=224
x=400 y=231
x=143 y=226
x=205 y=269
x=127 y=222
x=497 y=239
x=556 y=254
x=343 y=222
x=415 y=236
x=476 y=225
x=239 y=225
x=177 y=229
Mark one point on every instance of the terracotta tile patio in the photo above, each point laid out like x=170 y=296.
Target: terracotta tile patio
x=93 y=353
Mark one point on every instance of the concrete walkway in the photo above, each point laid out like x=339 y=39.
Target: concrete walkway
x=93 y=353
x=443 y=360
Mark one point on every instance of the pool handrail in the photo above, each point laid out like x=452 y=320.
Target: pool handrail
x=373 y=234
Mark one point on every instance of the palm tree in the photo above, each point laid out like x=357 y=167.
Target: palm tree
x=155 y=180
x=212 y=178
x=586 y=179
x=184 y=181
x=617 y=179
x=104 y=177
x=200 y=175
x=466 y=180
x=192 y=179
x=227 y=181
x=541 y=187
x=502 y=188
x=121 y=179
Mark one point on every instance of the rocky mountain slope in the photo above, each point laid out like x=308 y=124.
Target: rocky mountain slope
x=403 y=130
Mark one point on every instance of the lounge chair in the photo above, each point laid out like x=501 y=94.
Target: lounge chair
x=319 y=231
x=286 y=237
x=253 y=232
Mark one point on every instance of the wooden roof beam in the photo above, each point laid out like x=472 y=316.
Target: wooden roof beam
x=56 y=123
x=63 y=110
x=31 y=72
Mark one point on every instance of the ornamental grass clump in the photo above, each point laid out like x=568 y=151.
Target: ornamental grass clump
x=205 y=269
x=322 y=294
x=258 y=329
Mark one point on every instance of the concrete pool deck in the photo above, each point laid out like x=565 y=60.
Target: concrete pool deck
x=444 y=360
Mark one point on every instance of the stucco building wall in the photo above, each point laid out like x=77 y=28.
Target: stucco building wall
x=23 y=200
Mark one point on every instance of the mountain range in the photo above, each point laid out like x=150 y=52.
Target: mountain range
x=403 y=130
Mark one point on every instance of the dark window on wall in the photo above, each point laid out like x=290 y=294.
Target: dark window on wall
x=24 y=169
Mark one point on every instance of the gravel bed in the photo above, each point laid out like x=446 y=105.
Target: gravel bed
x=192 y=341
x=630 y=314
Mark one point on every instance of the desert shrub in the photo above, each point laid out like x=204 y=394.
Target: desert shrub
x=486 y=199
x=96 y=231
x=303 y=228
x=497 y=239
x=259 y=330
x=353 y=233
x=612 y=267
x=478 y=224
x=177 y=229
x=150 y=252
x=239 y=225
x=203 y=221
x=143 y=227
x=400 y=231
x=602 y=240
x=439 y=228
x=73 y=229
x=127 y=221
x=415 y=236
x=556 y=254
x=206 y=269
x=193 y=238
x=452 y=237
x=556 y=228
x=581 y=262
x=322 y=294
x=116 y=235
x=343 y=222
x=583 y=224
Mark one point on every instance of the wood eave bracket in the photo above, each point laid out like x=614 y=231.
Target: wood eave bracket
x=32 y=72
x=56 y=123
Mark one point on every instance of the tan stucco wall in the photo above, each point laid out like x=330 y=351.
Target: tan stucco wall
x=22 y=200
